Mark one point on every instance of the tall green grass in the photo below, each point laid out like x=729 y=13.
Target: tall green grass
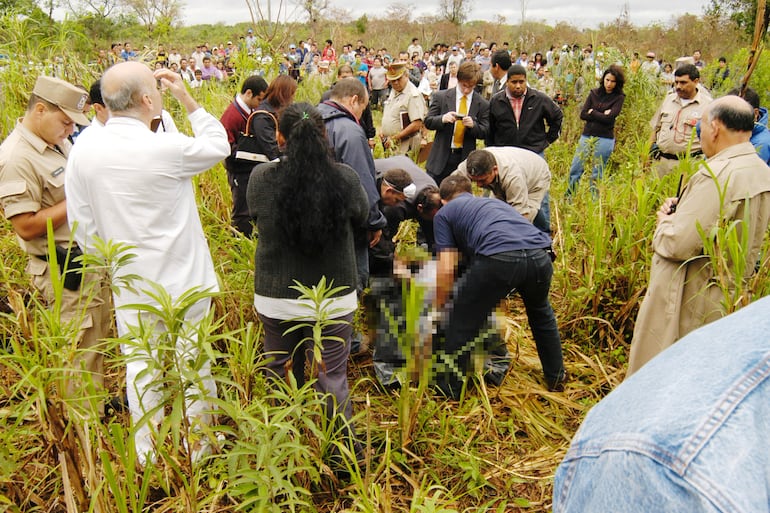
x=494 y=451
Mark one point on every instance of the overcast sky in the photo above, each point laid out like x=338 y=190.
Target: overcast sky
x=580 y=13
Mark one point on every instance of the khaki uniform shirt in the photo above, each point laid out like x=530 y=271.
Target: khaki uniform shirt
x=523 y=178
x=31 y=179
x=674 y=122
x=409 y=102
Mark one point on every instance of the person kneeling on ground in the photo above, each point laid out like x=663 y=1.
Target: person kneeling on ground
x=506 y=252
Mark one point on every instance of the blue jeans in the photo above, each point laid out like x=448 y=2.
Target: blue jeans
x=542 y=220
x=479 y=290
x=602 y=149
x=682 y=433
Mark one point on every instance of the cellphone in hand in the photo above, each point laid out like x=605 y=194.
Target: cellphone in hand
x=678 y=193
x=459 y=116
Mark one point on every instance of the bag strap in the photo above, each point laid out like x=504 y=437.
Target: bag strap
x=248 y=122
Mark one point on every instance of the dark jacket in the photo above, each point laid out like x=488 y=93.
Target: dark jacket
x=443 y=82
x=530 y=133
x=278 y=264
x=599 y=124
x=415 y=75
x=443 y=102
x=263 y=127
x=350 y=146
x=381 y=255
x=366 y=121
x=234 y=120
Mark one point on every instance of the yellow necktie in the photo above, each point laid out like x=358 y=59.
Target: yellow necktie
x=459 y=127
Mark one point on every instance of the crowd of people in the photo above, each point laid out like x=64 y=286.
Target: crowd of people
x=562 y=73
x=304 y=180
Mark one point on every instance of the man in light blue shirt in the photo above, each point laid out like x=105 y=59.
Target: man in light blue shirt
x=689 y=432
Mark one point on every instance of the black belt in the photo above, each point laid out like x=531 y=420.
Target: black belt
x=515 y=253
x=679 y=156
x=71 y=270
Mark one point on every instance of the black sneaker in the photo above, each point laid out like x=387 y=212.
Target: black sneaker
x=558 y=385
x=116 y=405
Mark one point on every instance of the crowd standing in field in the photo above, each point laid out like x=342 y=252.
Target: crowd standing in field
x=340 y=224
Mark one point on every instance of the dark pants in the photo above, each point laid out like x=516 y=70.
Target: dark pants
x=332 y=375
x=455 y=157
x=542 y=220
x=377 y=97
x=241 y=220
x=481 y=288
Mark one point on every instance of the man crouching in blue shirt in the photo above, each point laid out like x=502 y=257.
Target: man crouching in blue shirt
x=504 y=252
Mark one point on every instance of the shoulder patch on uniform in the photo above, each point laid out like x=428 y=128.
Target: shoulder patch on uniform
x=12 y=188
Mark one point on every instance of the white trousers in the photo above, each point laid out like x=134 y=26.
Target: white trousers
x=144 y=374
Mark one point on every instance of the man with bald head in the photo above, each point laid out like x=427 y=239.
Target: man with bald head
x=128 y=184
x=732 y=186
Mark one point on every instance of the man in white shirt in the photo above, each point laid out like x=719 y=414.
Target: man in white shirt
x=127 y=184
x=174 y=57
x=414 y=48
x=197 y=57
x=251 y=42
x=186 y=73
x=455 y=57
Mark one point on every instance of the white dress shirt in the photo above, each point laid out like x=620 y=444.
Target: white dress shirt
x=127 y=184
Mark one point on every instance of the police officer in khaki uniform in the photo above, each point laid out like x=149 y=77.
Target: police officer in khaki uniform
x=673 y=124
x=403 y=113
x=32 y=162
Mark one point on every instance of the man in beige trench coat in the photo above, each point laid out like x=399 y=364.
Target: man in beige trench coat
x=681 y=295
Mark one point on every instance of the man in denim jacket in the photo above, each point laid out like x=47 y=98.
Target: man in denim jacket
x=697 y=443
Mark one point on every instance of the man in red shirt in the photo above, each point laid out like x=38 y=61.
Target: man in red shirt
x=329 y=54
x=234 y=120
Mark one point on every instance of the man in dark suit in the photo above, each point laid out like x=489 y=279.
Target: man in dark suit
x=498 y=68
x=459 y=116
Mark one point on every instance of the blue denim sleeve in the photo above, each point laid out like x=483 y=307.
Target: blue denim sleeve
x=624 y=482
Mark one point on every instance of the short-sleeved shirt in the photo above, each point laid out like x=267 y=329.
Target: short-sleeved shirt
x=674 y=122
x=409 y=101
x=377 y=78
x=32 y=179
x=484 y=226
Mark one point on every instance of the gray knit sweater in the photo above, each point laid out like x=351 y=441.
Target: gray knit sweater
x=278 y=265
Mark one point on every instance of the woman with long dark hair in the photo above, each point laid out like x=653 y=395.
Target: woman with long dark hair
x=278 y=96
x=600 y=110
x=306 y=208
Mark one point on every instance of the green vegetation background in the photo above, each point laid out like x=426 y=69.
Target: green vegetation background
x=496 y=450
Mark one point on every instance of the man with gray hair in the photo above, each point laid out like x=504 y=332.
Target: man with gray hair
x=731 y=188
x=127 y=184
x=341 y=114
